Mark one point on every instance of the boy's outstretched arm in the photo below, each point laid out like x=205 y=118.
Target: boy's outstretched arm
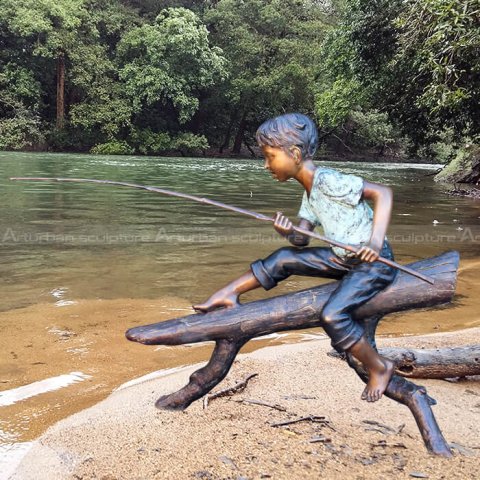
x=284 y=227
x=382 y=199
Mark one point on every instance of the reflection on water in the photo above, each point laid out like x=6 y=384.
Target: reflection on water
x=10 y=397
x=81 y=263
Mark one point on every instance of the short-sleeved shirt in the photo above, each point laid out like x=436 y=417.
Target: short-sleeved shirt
x=336 y=203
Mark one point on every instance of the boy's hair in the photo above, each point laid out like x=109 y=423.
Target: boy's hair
x=291 y=129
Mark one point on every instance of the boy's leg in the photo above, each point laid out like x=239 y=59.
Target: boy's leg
x=228 y=295
x=380 y=369
x=310 y=262
x=356 y=288
x=315 y=262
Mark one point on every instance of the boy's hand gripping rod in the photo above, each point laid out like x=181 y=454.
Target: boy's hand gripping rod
x=243 y=211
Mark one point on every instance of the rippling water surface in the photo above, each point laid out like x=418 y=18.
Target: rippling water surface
x=107 y=242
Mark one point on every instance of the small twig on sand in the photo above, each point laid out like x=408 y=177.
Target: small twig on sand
x=320 y=439
x=380 y=443
x=463 y=450
x=263 y=404
x=374 y=429
x=380 y=425
x=400 y=428
x=298 y=397
x=311 y=418
x=227 y=392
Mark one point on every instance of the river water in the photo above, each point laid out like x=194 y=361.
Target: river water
x=81 y=263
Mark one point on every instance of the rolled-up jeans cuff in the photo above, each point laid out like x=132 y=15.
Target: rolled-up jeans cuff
x=349 y=340
x=261 y=274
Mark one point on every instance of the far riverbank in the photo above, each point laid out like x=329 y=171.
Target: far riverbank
x=360 y=156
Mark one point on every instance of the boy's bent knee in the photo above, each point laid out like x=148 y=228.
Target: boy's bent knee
x=274 y=268
x=329 y=317
x=343 y=331
x=332 y=319
x=262 y=275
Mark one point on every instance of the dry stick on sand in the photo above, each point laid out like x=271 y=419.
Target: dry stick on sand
x=310 y=418
x=320 y=439
x=227 y=392
x=262 y=404
x=380 y=425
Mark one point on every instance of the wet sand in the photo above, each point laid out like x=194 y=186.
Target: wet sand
x=125 y=437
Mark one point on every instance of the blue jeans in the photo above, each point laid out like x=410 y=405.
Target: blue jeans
x=358 y=282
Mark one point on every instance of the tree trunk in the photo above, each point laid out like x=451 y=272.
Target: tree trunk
x=435 y=363
x=250 y=149
x=60 y=90
x=226 y=141
x=237 y=144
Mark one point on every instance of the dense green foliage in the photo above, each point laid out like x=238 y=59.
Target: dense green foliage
x=186 y=77
x=415 y=60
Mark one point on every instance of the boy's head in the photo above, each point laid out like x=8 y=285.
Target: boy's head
x=287 y=131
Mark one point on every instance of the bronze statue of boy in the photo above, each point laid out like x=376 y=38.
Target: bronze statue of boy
x=337 y=202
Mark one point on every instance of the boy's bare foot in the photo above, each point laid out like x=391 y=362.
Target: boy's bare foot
x=378 y=380
x=217 y=300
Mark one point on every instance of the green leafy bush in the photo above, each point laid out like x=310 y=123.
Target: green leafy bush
x=465 y=166
x=19 y=127
x=19 y=133
x=150 y=143
x=442 y=147
x=333 y=105
x=113 y=147
x=372 y=129
x=189 y=143
x=72 y=139
x=20 y=123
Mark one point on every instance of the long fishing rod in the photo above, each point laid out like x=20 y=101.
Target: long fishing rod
x=225 y=206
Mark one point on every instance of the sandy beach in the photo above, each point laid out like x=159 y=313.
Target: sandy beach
x=126 y=437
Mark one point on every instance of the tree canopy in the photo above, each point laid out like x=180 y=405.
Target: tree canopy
x=162 y=76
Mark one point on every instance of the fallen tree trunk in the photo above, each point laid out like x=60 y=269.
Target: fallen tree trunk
x=301 y=309
x=231 y=328
x=435 y=363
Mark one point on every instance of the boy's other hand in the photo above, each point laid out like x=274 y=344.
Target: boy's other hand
x=368 y=253
x=282 y=224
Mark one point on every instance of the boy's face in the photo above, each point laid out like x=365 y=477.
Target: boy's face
x=282 y=164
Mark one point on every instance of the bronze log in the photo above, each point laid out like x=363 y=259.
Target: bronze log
x=436 y=362
x=300 y=310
